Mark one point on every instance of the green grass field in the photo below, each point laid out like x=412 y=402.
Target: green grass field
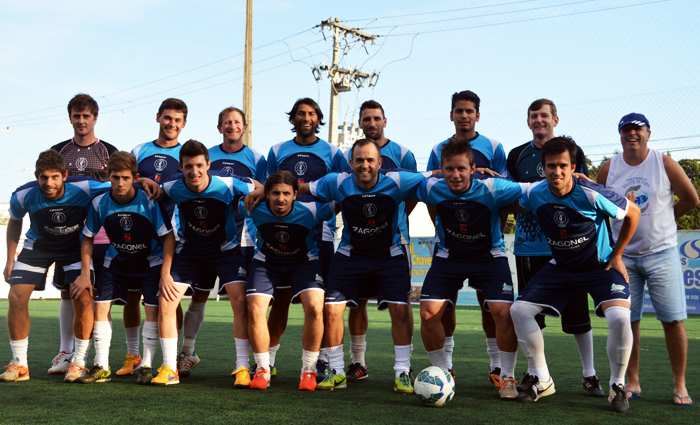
x=207 y=396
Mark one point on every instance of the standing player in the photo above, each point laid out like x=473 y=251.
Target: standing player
x=532 y=252
x=288 y=256
x=133 y=224
x=85 y=155
x=308 y=158
x=490 y=160
x=207 y=240
x=651 y=179
x=470 y=246
x=573 y=214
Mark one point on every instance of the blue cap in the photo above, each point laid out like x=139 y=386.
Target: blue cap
x=633 y=118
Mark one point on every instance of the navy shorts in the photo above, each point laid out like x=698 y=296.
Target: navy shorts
x=113 y=285
x=349 y=275
x=207 y=279
x=265 y=277
x=368 y=291
x=490 y=276
x=553 y=287
x=98 y=258
x=32 y=266
x=229 y=266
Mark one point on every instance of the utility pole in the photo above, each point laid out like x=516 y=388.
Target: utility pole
x=248 y=73
x=341 y=78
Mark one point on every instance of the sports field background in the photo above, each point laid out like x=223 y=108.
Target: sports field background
x=208 y=396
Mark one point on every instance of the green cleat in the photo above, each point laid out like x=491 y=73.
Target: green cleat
x=333 y=381
x=402 y=384
x=96 y=374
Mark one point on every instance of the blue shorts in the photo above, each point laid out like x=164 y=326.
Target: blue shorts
x=349 y=275
x=114 y=284
x=207 y=279
x=553 y=287
x=368 y=291
x=229 y=266
x=32 y=266
x=265 y=277
x=98 y=258
x=490 y=276
x=663 y=276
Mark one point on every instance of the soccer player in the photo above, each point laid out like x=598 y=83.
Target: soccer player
x=469 y=246
x=308 y=158
x=85 y=155
x=288 y=256
x=133 y=224
x=490 y=160
x=532 y=252
x=207 y=240
x=651 y=179
x=573 y=214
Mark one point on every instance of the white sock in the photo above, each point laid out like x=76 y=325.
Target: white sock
x=273 y=354
x=150 y=342
x=132 y=340
x=494 y=352
x=508 y=361
x=437 y=358
x=449 y=348
x=530 y=338
x=357 y=349
x=262 y=360
x=403 y=359
x=102 y=332
x=81 y=348
x=335 y=358
x=584 y=342
x=65 y=320
x=193 y=319
x=323 y=354
x=169 y=347
x=19 y=351
x=619 y=344
x=242 y=353
x=308 y=361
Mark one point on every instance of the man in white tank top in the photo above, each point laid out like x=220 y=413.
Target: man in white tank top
x=650 y=179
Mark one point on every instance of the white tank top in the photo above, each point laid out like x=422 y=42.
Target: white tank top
x=648 y=186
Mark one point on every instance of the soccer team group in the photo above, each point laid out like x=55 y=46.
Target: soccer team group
x=168 y=219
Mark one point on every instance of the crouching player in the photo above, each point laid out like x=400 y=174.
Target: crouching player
x=133 y=225
x=287 y=256
x=469 y=246
x=573 y=214
x=207 y=241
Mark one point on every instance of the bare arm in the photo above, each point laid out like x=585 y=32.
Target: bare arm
x=14 y=231
x=151 y=188
x=304 y=189
x=432 y=212
x=626 y=232
x=681 y=187
x=83 y=282
x=167 y=285
x=410 y=205
x=603 y=173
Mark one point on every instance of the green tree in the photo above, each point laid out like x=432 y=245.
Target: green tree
x=691 y=221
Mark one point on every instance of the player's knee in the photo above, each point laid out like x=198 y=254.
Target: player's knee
x=521 y=312
x=429 y=315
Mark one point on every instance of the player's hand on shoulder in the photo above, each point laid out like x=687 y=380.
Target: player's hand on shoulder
x=151 y=188
x=487 y=172
x=81 y=284
x=583 y=176
x=618 y=265
x=254 y=198
x=167 y=288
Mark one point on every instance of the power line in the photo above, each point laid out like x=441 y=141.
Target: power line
x=440 y=11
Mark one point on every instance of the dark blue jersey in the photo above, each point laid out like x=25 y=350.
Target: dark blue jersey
x=155 y=162
x=488 y=153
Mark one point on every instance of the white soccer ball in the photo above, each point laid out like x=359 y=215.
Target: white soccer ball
x=434 y=386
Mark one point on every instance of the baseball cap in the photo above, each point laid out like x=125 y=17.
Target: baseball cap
x=633 y=118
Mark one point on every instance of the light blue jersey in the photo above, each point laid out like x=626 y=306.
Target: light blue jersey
x=133 y=230
x=576 y=225
x=155 y=162
x=488 y=153
x=468 y=224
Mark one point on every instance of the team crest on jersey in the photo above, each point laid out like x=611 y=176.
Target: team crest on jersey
x=462 y=215
x=160 y=164
x=228 y=169
x=300 y=168
x=370 y=210
x=127 y=223
x=282 y=236
x=81 y=164
x=58 y=217
x=201 y=213
x=507 y=289
x=540 y=170
x=561 y=218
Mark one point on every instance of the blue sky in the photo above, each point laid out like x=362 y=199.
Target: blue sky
x=596 y=59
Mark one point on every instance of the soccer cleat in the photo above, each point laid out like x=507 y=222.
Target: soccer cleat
x=242 y=377
x=332 y=381
x=452 y=373
x=261 y=380
x=166 y=376
x=321 y=367
x=145 y=376
x=131 y=363
x=74 y=372
x=15 y=373
x=402 y=384
x=96 y=374
x=308 y=381
x=356 y=372
x=60 y=363
x=618 y=399
x=537 y=390
x=273 y=371
x=592 y=386
x=186 y=362
x=495 y=377
x=508 y=388
x=525 y=383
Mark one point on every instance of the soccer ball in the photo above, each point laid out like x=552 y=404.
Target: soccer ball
x=434 y=386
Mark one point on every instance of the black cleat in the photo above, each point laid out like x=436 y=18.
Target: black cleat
x=592 y=386
x=356 y=372
x=536 y=390
x=321 y=368
x=618 y=399
x=495 y=377
x=525 y=383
